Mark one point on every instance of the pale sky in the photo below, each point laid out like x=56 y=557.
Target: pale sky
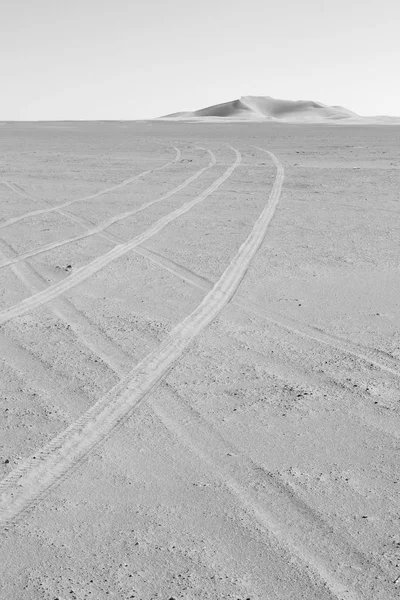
x=131 y=59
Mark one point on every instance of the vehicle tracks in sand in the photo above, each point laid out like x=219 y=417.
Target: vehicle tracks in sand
x=31 y=480
x=118 y=186
x=347 y=572
x=94 y=339
x=24 y=485
x=323 y=380
x=119 y=361
x=89 y=334
x=108 y=222
x=372 y=356
x=82 y=274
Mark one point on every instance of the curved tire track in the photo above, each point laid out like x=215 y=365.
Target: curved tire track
x=25 y=484
x=90 y=335
x=371 y=356
x=90 y=197
x=99 y=343
x=82 y=274
x=388 y=427
x=99 y=228
x=273 y=505
x=368 y=355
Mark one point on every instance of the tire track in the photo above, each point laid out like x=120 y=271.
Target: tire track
x=100 y=344
x=20 y=191
x=27 y=483
x=66 y=450
x=240 y=485
x=91 y=196
x=82 y=274
x=108 y=222
x=176 y=269
x=369 y=355
x=284 y=516
x=325 y=382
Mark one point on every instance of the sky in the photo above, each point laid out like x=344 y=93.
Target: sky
x=133 y=59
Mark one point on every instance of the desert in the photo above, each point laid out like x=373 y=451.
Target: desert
x=200 y=356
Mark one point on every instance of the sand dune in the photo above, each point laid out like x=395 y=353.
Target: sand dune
x=265 y=108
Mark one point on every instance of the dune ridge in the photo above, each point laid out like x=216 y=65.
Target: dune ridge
x=266 y=108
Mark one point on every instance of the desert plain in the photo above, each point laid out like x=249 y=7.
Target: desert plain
x=200 y=361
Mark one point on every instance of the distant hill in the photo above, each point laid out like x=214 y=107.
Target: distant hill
x=265 y=108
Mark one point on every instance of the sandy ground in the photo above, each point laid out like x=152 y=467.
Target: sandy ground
x=162 y=438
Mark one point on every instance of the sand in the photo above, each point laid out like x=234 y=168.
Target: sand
x=200 y=361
